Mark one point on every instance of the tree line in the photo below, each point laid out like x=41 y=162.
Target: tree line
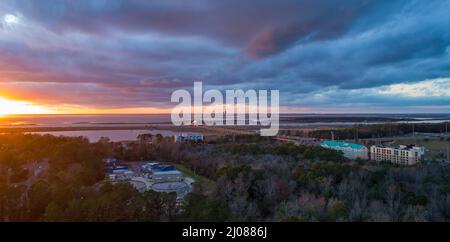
x=253 y=179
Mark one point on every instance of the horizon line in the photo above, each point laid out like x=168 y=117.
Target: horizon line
x=304 y=113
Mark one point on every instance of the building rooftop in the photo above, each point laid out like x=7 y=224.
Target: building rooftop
x=401 y=147
x=341 y=144
x=172 y=172
x=189 y=134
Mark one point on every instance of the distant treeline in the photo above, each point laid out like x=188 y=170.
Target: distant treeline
x=314 y=119
x=379 y=130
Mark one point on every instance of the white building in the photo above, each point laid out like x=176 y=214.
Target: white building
x=146 y=168
x=195 y=137
x=121 y=175
x=402 y=155
x=350 y=150
x=167 y=176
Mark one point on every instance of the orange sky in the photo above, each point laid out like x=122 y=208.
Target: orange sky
x=9 y=106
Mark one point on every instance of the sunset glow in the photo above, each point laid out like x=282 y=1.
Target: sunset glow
x=128 y=56
x=8 y=107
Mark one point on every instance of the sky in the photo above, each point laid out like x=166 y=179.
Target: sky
x=128 y=56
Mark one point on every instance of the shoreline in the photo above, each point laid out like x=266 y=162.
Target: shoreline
x=205 y=130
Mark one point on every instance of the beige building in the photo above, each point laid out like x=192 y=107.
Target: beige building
x=402 y=155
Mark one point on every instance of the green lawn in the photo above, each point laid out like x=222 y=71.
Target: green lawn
x=202 y=182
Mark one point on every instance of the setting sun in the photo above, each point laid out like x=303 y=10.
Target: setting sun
x=19 y=107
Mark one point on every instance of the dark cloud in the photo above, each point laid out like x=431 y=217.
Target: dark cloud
x=229 y=21
x=315 y=20
x=135 y=53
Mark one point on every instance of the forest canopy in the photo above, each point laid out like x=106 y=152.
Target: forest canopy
x=47 y=178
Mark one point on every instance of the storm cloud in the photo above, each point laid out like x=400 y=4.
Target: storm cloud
x=321 y=54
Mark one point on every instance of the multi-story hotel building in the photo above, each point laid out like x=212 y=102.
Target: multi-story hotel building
x=402 y=155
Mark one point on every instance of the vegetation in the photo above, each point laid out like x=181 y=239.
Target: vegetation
x=70 y=185
x=202 y=183
x=380 y=130
x=250 y=179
